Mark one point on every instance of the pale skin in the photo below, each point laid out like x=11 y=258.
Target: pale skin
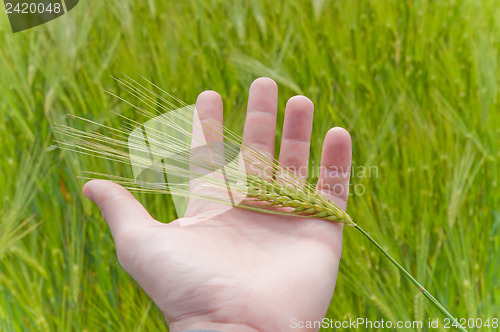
x=241 y=270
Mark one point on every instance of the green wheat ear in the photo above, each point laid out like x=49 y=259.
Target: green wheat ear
x=304 y=202
x=288 y=196
x=144 y=145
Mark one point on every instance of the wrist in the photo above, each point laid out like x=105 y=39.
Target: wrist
x=193 y=325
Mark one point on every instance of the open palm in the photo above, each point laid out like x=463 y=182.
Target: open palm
x=240 y=270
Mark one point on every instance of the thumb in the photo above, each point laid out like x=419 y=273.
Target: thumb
x=119 y=208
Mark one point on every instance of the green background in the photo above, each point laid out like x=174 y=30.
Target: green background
x=415 y=82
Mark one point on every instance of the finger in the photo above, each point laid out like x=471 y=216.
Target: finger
x=206 y=144
x=209 y=110
x=295 y=143
x=336 y=166
x=119 y=208
x=260 y=124
x=207 y=149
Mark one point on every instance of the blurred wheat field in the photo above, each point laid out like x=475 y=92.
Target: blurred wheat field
x=415 y=82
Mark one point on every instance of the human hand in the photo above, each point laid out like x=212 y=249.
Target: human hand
x=241 y=270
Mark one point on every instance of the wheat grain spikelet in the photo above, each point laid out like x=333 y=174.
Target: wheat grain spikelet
x=305 y=202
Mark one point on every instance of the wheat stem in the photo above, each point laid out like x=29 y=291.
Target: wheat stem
x=424 y=291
